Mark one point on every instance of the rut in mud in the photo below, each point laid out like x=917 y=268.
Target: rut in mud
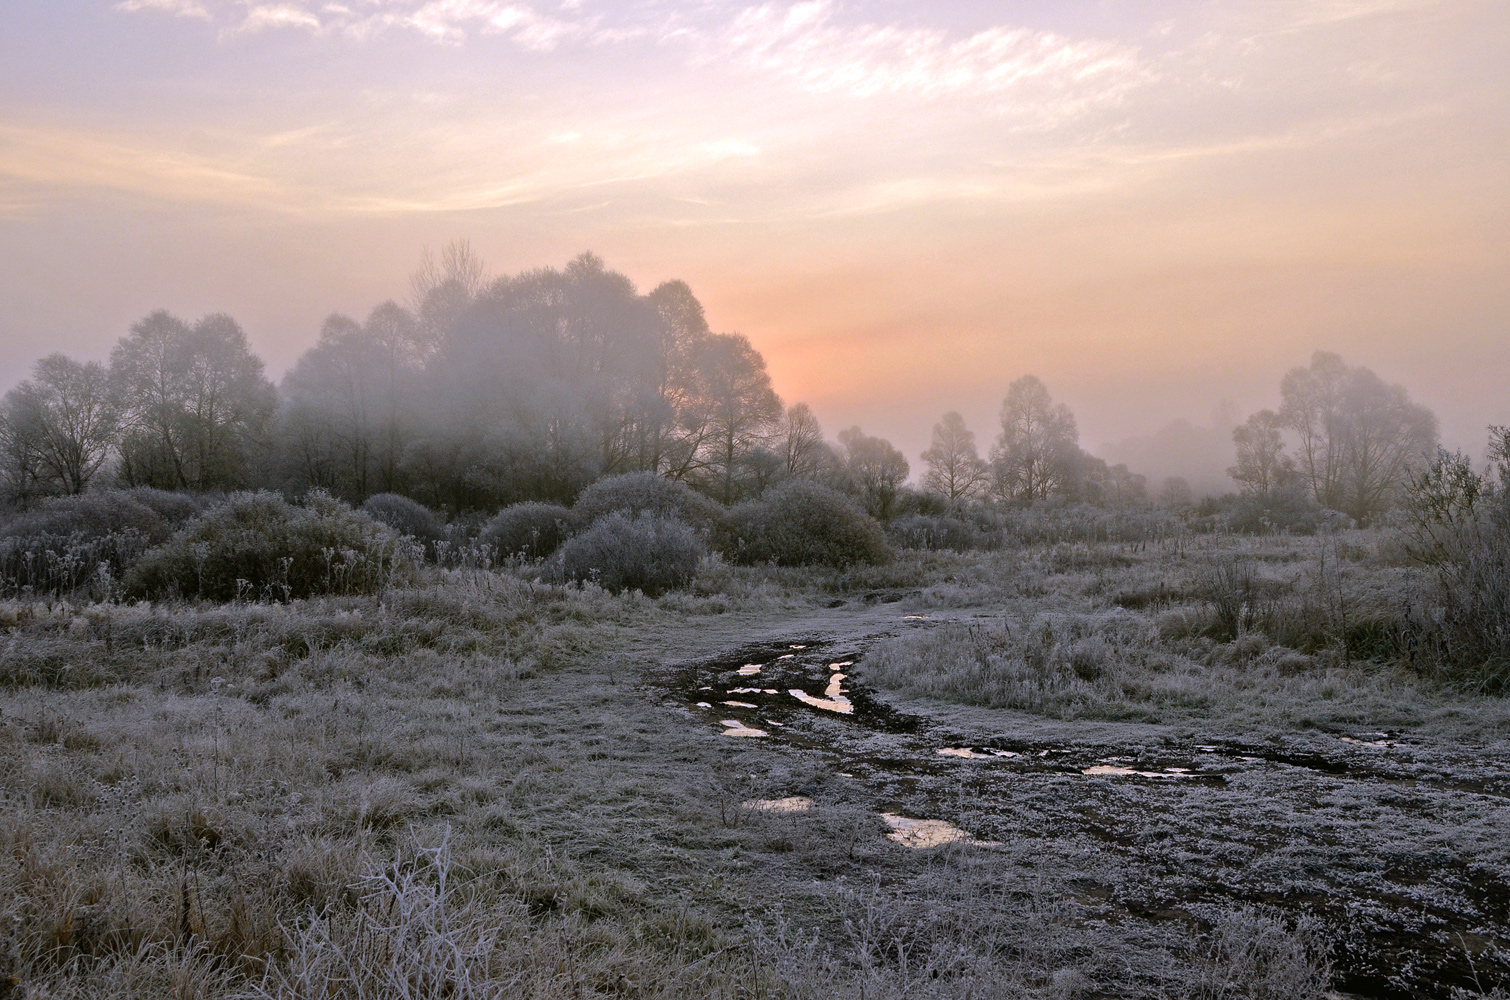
x=1398 y=844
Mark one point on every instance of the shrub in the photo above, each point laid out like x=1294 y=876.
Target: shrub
x=1060 y=520
x=922 y=531
x=1288 y=510
x=803 y=524
x=68 y=543
x=258 y=545
x=404 y=516
x=647 y=553
x=637 y=493
x=1458 y=524
x=532 y=530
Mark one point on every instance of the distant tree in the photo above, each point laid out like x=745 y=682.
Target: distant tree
x=194 y=403
x=349 y=401
x=443 y=287
x=1359 y=438
x=732 y=414
x=804 y=453
x=874 y=469
x=955 y=469
x=1262 y=465
x=1037 y=452
x=65 y=421
x=1176 y=493
x=1116 y=485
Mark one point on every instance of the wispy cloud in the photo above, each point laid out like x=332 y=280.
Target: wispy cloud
x=809 y=44
x=179 y=8
x=447 y=21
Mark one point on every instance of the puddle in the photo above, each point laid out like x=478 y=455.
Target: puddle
x=796 y=647
x=969 y=754
x=740 y=704
x=833 y=699
x=749 y=670
x=919 y=834
x=1360 y=741
x=1119 y=770
x=790 y=804
x=733 y=727
x=752 y=691
x=703 y=704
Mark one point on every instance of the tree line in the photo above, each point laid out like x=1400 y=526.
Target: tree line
x=479 y=393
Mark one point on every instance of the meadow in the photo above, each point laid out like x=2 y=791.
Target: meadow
x=1190 y=765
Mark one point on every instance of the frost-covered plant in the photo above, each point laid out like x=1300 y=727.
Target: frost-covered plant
x=647 y=553
x=404 y=516
x=803 y=524
x=71 y=543
x=532 y=530
x=923 y=531
x=638 y=493
x=259 y=546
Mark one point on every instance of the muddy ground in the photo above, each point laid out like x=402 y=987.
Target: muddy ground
x=1396 y=842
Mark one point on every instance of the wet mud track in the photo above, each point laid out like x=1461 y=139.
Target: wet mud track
x=1401 y=847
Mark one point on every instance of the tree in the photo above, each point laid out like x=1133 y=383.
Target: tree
x=875 y=471
x=804 y=453
x=1360 y=439
x=194 y=402
x=955 y=470
x=348 y=402
x=1037 y=452
x=1176 y=493
x=64 y=422
x=1262 y=465
x=738 y=410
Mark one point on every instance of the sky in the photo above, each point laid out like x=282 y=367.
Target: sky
x=1157 y=207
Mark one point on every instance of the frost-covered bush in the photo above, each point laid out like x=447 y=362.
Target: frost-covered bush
x=803 y=524
x=647 y=553
x=638 y=493
x=257 y=545
x=532 y=530
x=1457 y=523
x=1058 y=520
x=922 y=531
x=68 y=543
x=404 y=516
x=1289 y=510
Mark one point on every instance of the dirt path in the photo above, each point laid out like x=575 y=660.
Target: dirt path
x=1398 y=844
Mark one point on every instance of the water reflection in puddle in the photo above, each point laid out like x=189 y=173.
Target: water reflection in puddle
x=749 y=670
x=733 y=727
x=740 y=704
x=968 y=754
x=923 y=833
x=790 y=804
x=833 y=699
x=1119 y=770
x=1360 y=741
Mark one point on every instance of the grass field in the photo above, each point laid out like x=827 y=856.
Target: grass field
x=1199 y=768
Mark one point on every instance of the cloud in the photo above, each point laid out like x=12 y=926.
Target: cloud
x=445 y=21
x=279 y=15
x=178 y=8
x=807 y=44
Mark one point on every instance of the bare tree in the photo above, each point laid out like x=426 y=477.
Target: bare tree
x=1036 y=454
x=194 y=402
x=69 y=418
x=1262 y=465
x=875 y=469
x=741 y=409
x=1359 y=438
x=955 y=469
x=804 y=453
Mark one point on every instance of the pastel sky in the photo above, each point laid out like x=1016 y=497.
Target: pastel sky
x=1152 y=205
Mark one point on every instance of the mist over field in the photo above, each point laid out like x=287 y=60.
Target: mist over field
x=825 y=499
